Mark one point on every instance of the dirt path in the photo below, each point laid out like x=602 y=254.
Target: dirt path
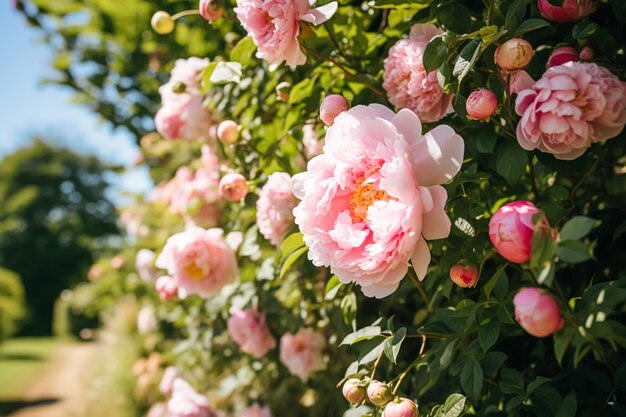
x=58 y=392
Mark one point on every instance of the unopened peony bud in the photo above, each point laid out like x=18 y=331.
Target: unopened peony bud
x=210 y=10
x=353 y=390
x=117 y=262
x=570 y=11
x=537 y=312
x=233 y=187
x=514 y=54
x=481 y=104
x=464 y=276
x=379 y=393
x=511 y=230
x=167 y=287
x=331 y=107
x=401 y=407
x=282 y=91
x=562 y=55
x=228 y=132
x=586 y=54
x=162 y=23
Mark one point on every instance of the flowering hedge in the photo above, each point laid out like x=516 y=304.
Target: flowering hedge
x=410 y=207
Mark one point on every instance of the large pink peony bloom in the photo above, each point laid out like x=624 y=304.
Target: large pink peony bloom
x=537 y=312
x=256 y=411
x=200 y=260
x=407 y=83
x=274 y=26
x=274 y=207
x=572 y=106
x=302 y=352
x=186 y=402
x=248 y=329
x=511 y=230
x=374 y=196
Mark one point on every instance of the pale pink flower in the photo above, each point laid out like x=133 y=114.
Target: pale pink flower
x=401 y=407
x=146 y=320
x=274 y=26
x=233 y=187
x=186 y=74
x=275 y=207
x=519 y=80
x=167 y=287
x=186 y=402
x=302 y=353
x=373 y=198
x=331 y=107
x=570 y=11
x=511 y=230
x=537 y=312
x=200 y=260
x=256 y=411
x=353 y=390
x=248 y=329
x=310 y=140
x=167 y=380
x=158 y=410
x=407 y=83
x=569 y=108
x=183 y=118
x=144 y=264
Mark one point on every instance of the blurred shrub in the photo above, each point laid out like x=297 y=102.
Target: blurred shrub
x=11 y=303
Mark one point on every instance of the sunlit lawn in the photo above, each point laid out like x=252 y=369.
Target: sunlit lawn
x=21 y=361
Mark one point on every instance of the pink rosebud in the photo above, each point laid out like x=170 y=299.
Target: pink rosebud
x=511 y=230
x=117 y=262
x=570 y=11
x=562 y=55
x=162 y=23
x=332 y=106
x=210 y=10
x=481 y=104
x=537 y=312
x=228 y=132
x=353 y=390
x=586 y=54
x=233 y=187
x=401 y=407
x=94 y=272
x=464 y=276
x=514 y=54
x=167 y=287
x=379 y=393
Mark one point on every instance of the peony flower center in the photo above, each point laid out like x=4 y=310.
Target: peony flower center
x=195 y=272
x=362 y=198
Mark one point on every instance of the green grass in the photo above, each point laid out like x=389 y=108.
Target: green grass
x=21 y=361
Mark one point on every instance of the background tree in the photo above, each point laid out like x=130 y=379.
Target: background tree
x=11 y=303
x=54 y=215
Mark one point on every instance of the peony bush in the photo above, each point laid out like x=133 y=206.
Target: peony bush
x=376 y=209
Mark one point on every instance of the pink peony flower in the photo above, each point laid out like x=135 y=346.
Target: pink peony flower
x=233 y=187
x=331 y=107
x=401 y=407
x=302 y=352
x=275 y=207
x=248 y=329
x=537 y=312
x=274 y=26
x=183 y=118
x=464 y=276
x=158 y=410
x=200 y=260
x=481 y=104
x=167 y=380
x=514 y=54
x=186 y=402
x=144 y=264
x=374 y=196
x=256 y=411
x=406 y=81
x=184 y=77
x=379 y=393
x=562 y=55
x=570 y=11
x=353 y=390
x=569 y=108
x=167 y=287
x=310 y=140
x=519 y=80
x=511 y=230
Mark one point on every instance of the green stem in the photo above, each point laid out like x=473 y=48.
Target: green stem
x=406 y=371
x=185 y=13
x=419 y=286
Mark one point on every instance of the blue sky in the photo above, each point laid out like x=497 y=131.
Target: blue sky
x=28 y=108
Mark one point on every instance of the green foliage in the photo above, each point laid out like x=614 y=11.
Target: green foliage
x=11 y=303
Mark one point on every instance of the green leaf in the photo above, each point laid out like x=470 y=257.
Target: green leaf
x=584 y=30
x=454 y=406
x=466 y=59
x=349 y=308
x=291 y=244
x=291 y=259
x=510 y=161
x=435 y=53
x=530 y=25
x=226 y=72
x=573 y=251
x=576 y=228
x=515 y=13
x=472 y=378
x=243 y=52
x=621 y=229
x=568 y=407
x=488 y=334
x=448 y=352
x=393 y=344
x=490 y=285
x=365 y=333
x=561 y=342
x=303 y=90
x=535 y=383
x=332 y=288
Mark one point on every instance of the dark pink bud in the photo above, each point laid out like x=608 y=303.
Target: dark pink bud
x=562 y=55
x=481 y=104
